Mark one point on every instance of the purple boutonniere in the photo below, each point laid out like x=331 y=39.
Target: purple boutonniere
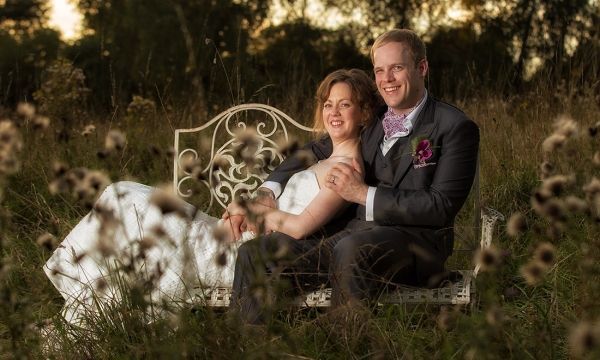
x=421 y=152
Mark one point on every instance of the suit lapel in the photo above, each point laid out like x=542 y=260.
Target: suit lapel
x=402 y=157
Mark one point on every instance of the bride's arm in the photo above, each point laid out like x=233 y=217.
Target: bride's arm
x=319 y=212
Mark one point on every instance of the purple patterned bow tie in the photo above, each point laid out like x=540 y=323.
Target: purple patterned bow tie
x=394 y=123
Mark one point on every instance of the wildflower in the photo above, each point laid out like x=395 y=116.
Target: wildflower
x=488 y=259
x=25 y=110
x=47 y=240
x=40 y=122
x=533 y=272
x=517 y=224
x=545 y=254
x=115 y=140
x=511 y=292
x=553 y=142
x=583 y=339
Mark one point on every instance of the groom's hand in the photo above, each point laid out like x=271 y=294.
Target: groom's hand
x=347 y=181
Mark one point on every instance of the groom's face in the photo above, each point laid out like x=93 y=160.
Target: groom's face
x=399 y=80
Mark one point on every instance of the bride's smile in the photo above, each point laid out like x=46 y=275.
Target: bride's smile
x=340 y=115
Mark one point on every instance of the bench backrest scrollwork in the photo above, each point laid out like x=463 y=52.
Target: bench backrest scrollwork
x=227 y=171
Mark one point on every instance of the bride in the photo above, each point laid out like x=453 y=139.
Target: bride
x=171 y=258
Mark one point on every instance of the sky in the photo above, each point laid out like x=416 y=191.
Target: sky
x=64 y=17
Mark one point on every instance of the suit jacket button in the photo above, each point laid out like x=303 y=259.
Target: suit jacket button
x=384 y=166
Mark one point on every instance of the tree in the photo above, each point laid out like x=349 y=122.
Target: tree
x=27 y=47
x=186 y=51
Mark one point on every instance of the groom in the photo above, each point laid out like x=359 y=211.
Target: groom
x=419 y=165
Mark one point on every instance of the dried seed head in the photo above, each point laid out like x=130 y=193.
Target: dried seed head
x=147 y=243
x=488 y=259
x=593 y=130
x=170 y=152
x=553 y=209
x=188 y=164
x=92 y=185
x=592 y=188
x=221 y=259
x=553 y=142
x=88 y=129
x=25 y=110
x=557 y=184
x=546 y=254
x=596 y=158
x=101 y=284
x=59 y=169
x=584 y=338
x=158 y=231
x=547 y=168
x=566 y=126
x=575 y=204
x=47 y=240
x=306 y=158
x=554 y=231
x=220 y=162
x=115 y=140
x=59 y=186
x=445 y=321
x=533 y=272
x=221 y=233
x=517 y=224
x=168 y=203
x=41 y=122
x=495 y=316
x=287 y=148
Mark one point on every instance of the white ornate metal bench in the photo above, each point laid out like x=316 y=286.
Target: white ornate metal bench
x=224 y=170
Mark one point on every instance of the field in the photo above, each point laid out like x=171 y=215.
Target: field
x=539 y=295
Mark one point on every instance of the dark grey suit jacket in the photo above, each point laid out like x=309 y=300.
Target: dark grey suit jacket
x=422 y=200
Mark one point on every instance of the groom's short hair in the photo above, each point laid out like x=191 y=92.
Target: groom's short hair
x=415 y=44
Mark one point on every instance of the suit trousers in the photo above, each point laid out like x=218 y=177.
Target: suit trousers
x=358 y=263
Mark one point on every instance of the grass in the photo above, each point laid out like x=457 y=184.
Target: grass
x=551 y=313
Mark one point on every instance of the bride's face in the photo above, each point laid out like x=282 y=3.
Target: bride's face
x=341 y=116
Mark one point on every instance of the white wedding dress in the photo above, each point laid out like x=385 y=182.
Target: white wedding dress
x=135 y=243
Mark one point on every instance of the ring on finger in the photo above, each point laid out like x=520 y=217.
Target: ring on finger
x=333 y=181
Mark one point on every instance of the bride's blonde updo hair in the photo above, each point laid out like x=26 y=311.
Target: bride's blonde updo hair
x=364 y=95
